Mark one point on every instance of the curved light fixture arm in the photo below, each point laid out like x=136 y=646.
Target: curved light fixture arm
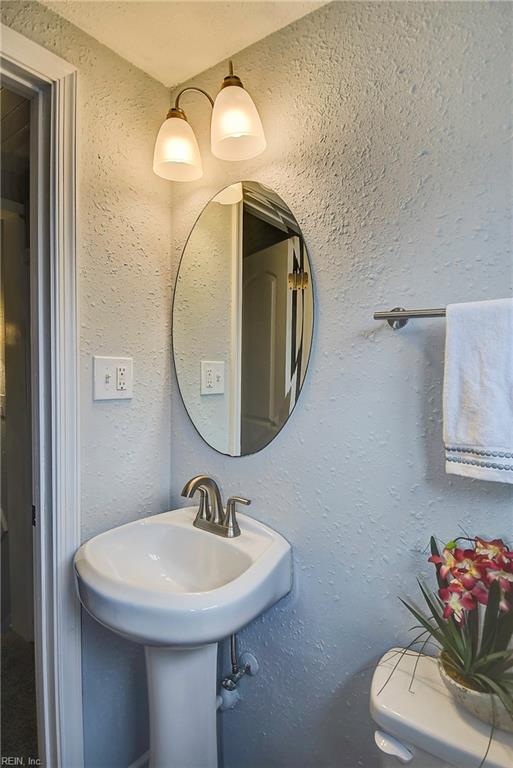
x=192 y=88
x=231 y=79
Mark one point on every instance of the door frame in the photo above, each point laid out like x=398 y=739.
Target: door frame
x=51 y=84
x=234 y=372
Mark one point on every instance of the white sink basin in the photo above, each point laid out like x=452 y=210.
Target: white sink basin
x=179 y=589
x=161 y=581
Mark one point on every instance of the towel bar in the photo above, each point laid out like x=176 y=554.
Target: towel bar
x=398 y=316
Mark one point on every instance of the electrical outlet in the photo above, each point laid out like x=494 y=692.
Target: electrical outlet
x=121 y=378
x=112 y=378
x=212 y=377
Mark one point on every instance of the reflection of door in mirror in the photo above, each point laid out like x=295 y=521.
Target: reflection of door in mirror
x=277 y=321
x=264 y=328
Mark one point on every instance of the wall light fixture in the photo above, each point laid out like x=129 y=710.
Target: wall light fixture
x=236 y=132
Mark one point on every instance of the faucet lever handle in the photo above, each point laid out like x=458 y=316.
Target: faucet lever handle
x=230 y=518
x=239 y=500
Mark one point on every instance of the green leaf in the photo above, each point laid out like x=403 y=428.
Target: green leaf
x=433 y=631
x=490 y=620
x=503 y=695
x=504 y=631
x=447 y=626
x=434 y=546
x=421 y=652
x=495 y=666
x=472 y=629
x=435 y=612
x=443 y=641
x=436 y=553
x=451 y=663
x=403 y=652
x=498 y=669
x=454 y=632
x=506 y=656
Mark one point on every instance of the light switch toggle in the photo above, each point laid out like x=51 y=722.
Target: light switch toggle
x=112 y=378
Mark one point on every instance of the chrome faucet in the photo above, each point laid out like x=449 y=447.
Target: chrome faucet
x=211 y=506
x=210 y=515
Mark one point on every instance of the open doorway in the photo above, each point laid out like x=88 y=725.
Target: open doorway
x=41 y=643
x=18 y=695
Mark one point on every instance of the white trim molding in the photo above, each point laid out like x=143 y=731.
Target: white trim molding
x=51 y=84
x=236 y=330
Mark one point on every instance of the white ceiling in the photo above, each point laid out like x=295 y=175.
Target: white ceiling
x=173 y=41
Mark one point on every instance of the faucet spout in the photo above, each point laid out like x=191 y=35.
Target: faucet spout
x=211 y=505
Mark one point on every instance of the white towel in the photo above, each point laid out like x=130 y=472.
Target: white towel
x=478 y=390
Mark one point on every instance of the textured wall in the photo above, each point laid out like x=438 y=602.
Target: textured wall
x=125 y=305
x=388 y=128
x=202 y=318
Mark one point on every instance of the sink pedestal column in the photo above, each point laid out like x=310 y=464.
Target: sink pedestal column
x=182 y=697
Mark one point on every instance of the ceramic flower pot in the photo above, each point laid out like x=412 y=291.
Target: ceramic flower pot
x=485 y=706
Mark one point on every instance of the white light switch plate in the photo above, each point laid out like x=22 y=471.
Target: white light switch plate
x=112 y=378
x=212 y=377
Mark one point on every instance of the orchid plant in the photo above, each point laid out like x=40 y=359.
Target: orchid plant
x=470 y=618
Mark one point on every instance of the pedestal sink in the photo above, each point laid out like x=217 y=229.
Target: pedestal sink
x=179 y=590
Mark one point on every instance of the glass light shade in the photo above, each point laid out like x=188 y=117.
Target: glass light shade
x=236 y=131
x=177 y=156
x=230 y=195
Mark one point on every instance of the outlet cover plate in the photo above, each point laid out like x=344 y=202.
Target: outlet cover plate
x=106 y=378
x=212 y=377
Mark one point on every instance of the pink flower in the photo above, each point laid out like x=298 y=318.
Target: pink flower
x=494 y=550
x=505 y=578
x=460 y=564
x=480 y=592
x=471 y=572
x=505 y=605
x=457 y=601
x=444 y=563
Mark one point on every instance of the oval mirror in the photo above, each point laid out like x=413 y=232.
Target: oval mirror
x=242 y=318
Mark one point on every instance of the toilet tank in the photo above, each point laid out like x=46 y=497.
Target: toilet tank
x=420 y=724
